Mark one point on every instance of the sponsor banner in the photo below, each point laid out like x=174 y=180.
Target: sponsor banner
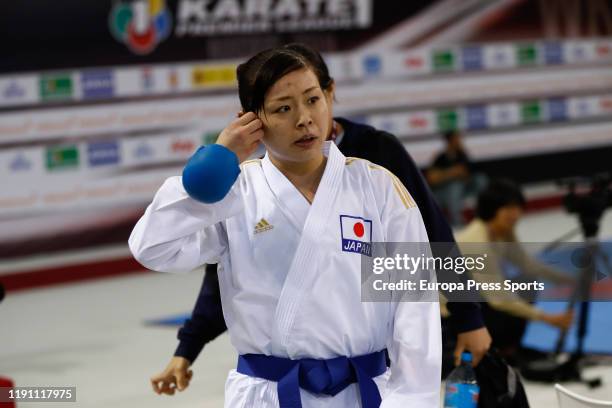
x=447 y=119
x=141 y=151
x=56 y=87
x=579 y=52
x=605 y=104
x=500 y=56
x=213 y=76
x=556 y=109
x=475 y=117
x=391 y=123
x=583 y=107
x=503 y=114
x=182 y=147
x=147 y=80
x=413 y=62
x=129 y=83
x=154 y=80
x=531 y=112
x=164 y=79
x=527 y=54
x=472 y=58
x=97 y=84
x=62 y=157
x=421 y=122
x=203 y=18
x=18 y=90
x=340 y=67
x=103 y=153
x=372 y=65
x=21 y=163
x=443 y=60
x=603 y=50
x=553 y=53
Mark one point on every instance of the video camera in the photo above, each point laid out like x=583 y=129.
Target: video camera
x=588 y=197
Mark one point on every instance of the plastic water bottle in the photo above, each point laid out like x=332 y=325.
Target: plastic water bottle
x=462 y=389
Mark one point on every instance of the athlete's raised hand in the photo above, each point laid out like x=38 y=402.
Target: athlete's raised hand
x=242 y=135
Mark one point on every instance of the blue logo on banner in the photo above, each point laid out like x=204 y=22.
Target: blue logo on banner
x=356 y=233
x=472 y=58
x=584 y=108
x=372 y=65
x=476 y=117
x=557 y=109
x=579 y=53
x=20 y=163
x=553 y=53
x=13 y=91
x=97 y=84
x=143 y=151
x=147 y=79
x=388 y=126
x=500 y=58
x=103 y=153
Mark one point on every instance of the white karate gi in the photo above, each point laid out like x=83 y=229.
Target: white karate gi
x=288 y=288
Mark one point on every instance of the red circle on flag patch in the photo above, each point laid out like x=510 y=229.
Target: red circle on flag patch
x=358 y=229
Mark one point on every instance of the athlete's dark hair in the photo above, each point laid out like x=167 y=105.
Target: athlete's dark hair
x=499 y=193
x=260 y=72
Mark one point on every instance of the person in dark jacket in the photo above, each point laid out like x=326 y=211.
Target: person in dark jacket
x=356 y=140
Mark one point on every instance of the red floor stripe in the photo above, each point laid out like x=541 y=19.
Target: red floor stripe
x=70 y=273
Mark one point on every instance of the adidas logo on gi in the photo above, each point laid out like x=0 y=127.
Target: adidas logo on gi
x=263 y=226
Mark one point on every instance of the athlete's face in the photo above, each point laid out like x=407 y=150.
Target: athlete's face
x=296 y=117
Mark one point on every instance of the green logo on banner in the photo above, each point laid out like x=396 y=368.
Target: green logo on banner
x=448 y=119
x=210 y=137
x=443 y=60
x=527 y=54
x=531 y=111
x=62 y=157
x=55 y=87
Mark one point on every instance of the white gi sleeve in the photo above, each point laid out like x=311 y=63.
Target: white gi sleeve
x=415 y=343
x=177 y=233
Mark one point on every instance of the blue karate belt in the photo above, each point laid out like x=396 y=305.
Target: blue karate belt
x=317 y=376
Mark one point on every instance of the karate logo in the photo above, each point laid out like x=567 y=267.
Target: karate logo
x=356 y=234
x=140 y=24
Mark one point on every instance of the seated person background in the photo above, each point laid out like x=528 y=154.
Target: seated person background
x=452 y=178
x=498 y=210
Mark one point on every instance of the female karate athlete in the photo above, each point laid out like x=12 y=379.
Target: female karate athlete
x=289 y=231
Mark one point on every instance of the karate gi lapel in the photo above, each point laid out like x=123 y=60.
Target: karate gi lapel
x=286 y=197
x=305 y=261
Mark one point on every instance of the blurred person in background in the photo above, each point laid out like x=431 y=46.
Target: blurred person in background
x=356 y=140
x=499 y=208
x=452 y=177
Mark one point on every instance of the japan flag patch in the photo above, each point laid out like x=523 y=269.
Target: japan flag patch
x=356 y=234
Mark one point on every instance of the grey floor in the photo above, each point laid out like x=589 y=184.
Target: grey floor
x=92 y=335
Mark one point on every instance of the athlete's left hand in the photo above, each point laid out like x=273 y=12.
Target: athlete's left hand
x=476 y=342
